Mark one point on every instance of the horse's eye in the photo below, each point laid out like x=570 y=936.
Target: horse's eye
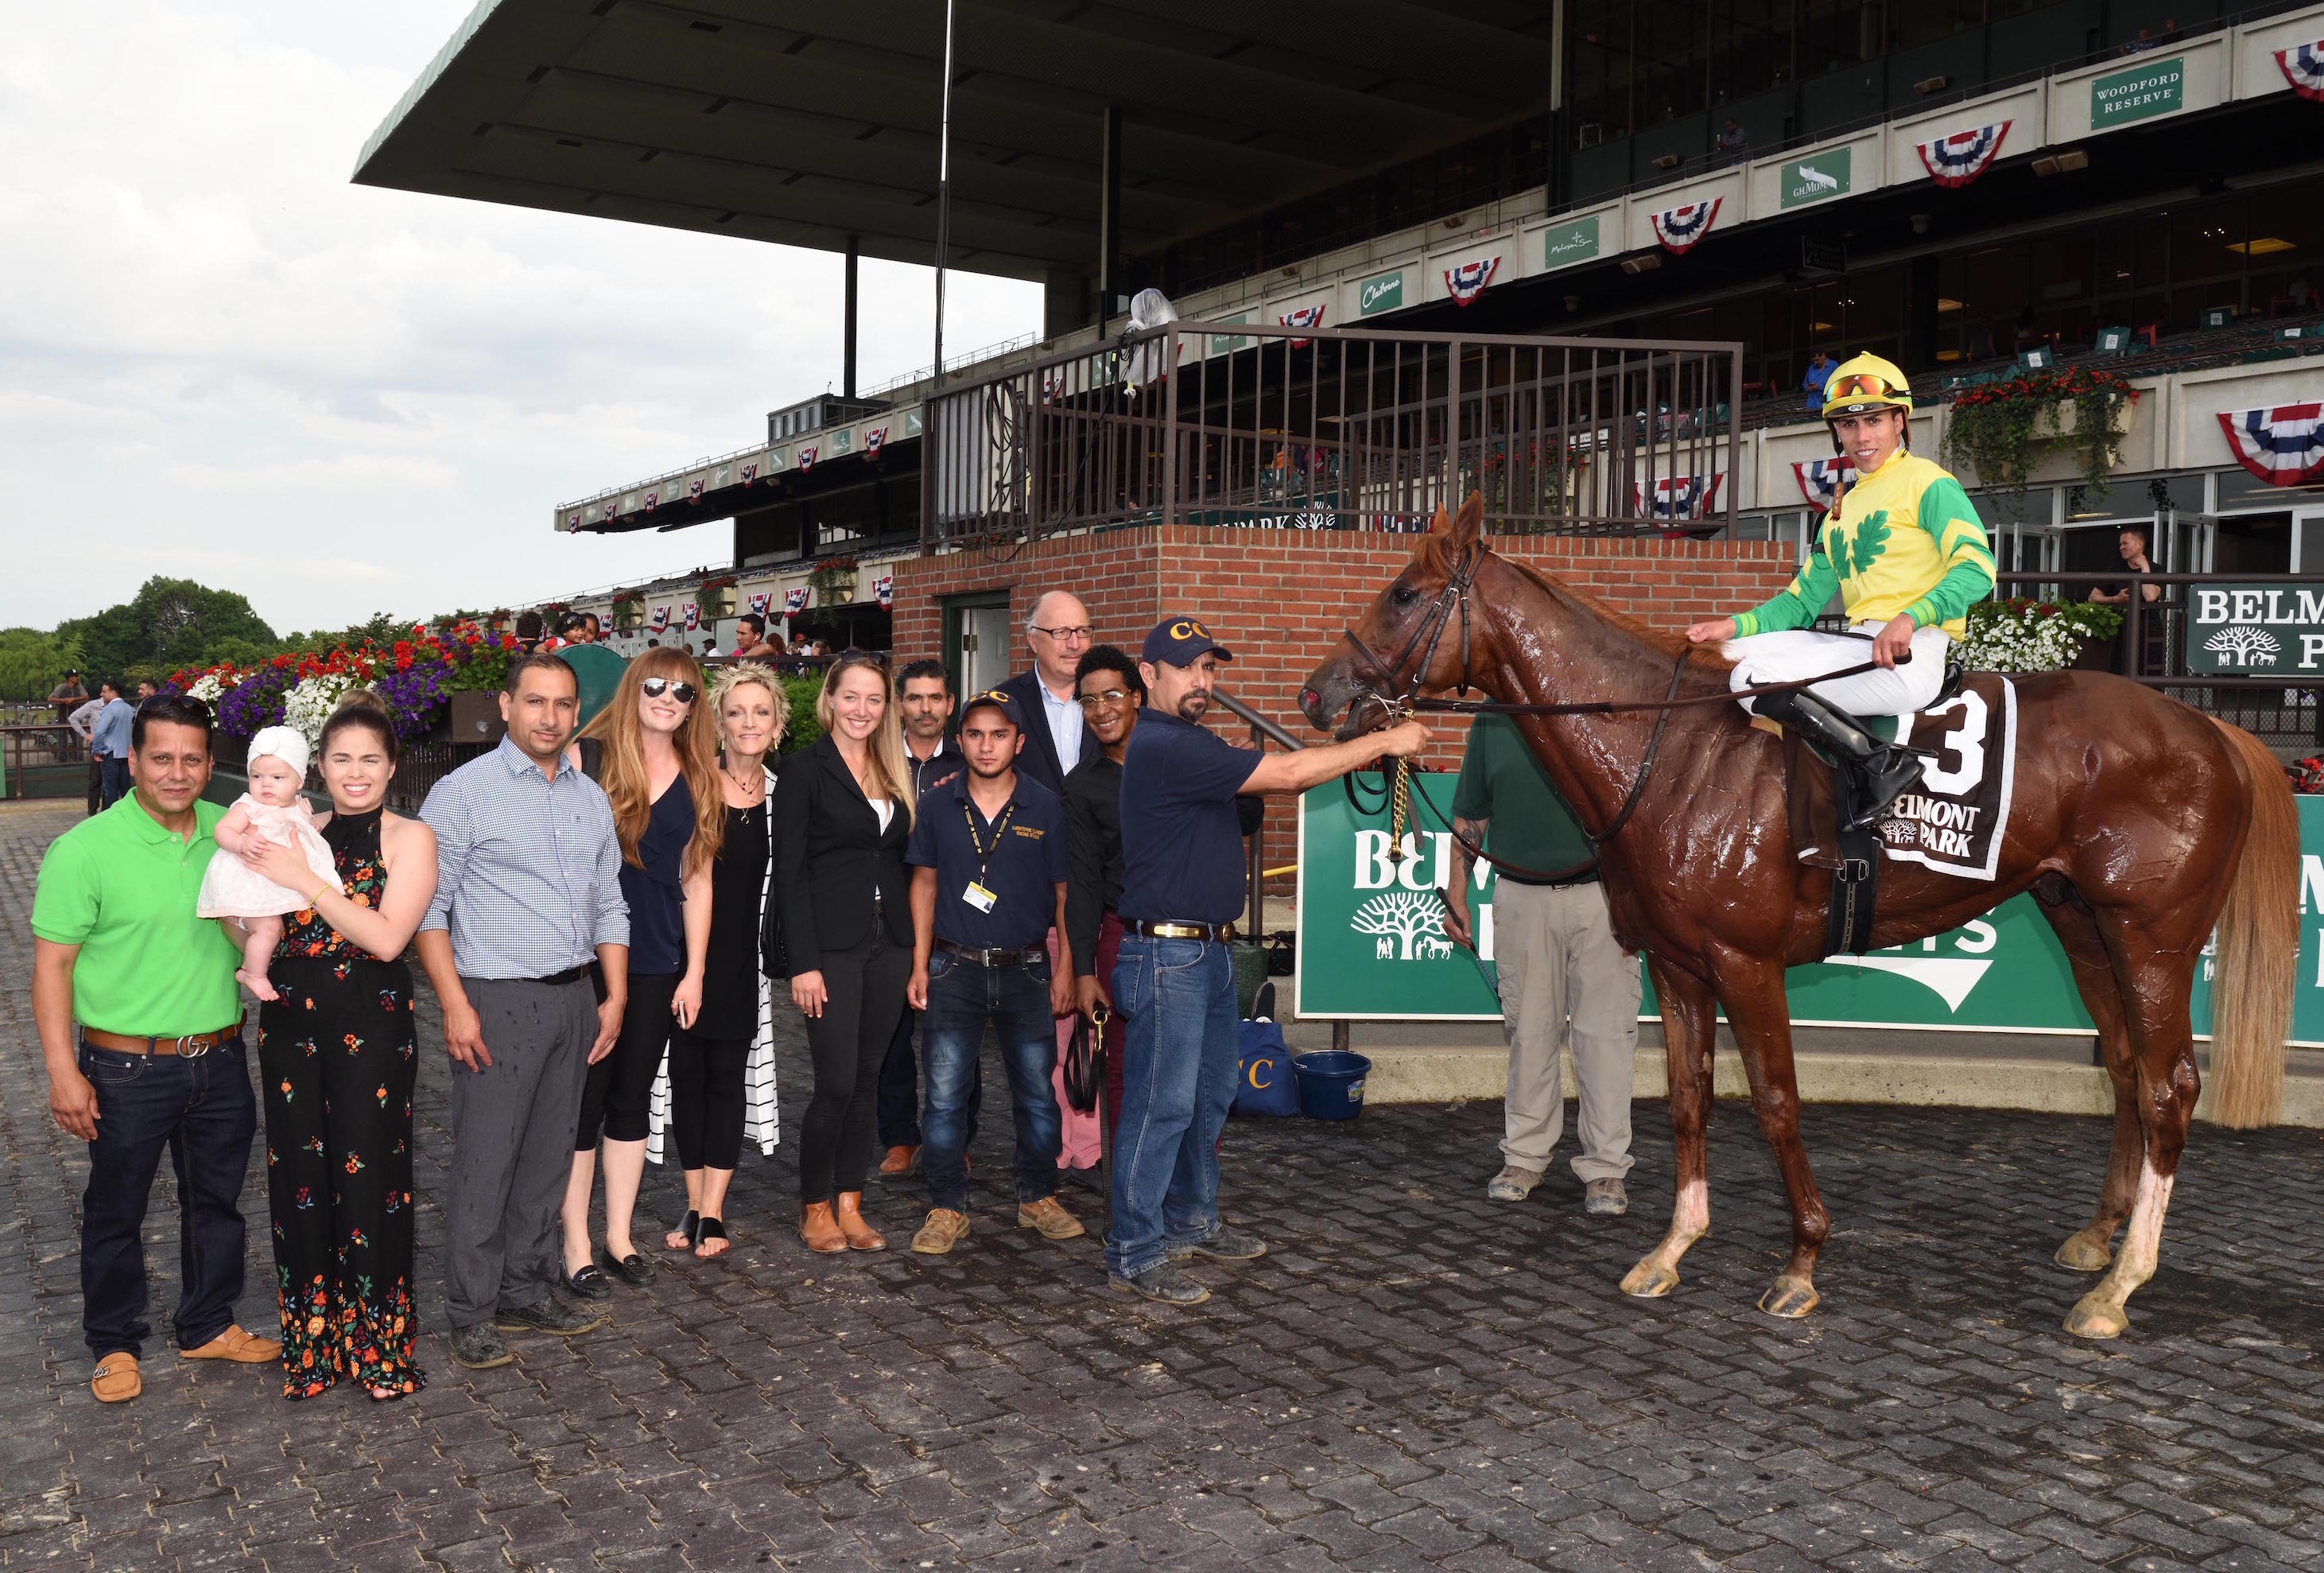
x=1405 y=594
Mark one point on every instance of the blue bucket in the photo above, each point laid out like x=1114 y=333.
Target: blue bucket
x=1331 y=1083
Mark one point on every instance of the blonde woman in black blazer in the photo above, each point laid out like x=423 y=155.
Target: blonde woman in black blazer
x=842 y=813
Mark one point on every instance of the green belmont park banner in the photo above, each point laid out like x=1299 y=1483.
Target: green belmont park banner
x=1372 y=944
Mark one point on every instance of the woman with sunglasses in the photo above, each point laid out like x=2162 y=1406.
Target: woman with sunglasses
x=653 y=749
x=1908 y=556
x=843 y=814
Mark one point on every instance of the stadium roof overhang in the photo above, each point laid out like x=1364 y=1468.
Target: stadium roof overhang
x=810 y=124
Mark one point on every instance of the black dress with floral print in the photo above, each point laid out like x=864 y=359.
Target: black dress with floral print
x=338 y=1053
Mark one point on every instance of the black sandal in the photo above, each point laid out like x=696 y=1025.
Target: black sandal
x=630 y=1270
x=709 y=1229
x=690 y=1226
x=588 y=1282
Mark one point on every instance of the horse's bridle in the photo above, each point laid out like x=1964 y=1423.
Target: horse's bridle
x=1454 y=596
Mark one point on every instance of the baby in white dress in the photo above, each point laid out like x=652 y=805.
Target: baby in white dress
x=250 y=906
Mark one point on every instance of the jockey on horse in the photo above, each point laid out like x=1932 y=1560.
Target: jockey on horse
x=1909 y=557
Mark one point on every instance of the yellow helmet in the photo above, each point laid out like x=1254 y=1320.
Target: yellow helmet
x=1863 y=385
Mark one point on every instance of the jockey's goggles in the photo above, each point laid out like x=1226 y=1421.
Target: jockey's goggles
x=1858 y=388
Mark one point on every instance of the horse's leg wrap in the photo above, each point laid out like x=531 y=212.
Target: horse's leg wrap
x=1690 y=1024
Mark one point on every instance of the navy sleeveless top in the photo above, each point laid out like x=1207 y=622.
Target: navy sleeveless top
x=655 y=891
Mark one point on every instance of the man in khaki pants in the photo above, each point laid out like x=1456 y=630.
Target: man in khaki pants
x=1563 y=977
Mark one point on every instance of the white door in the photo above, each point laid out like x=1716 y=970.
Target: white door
x=984 y=651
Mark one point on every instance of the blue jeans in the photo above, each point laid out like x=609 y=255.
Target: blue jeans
x=1180 y=1060
x=201 y=1108
x=112 y=777
x=899 y=1091
x=963 y=997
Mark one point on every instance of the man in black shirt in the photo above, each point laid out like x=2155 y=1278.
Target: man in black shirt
x=1112 y=694
x=924 y=696
x=988 y=862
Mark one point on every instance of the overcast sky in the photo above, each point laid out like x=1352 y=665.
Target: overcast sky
x=220 y=359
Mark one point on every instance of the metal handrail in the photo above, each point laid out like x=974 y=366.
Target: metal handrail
x=1258 y=723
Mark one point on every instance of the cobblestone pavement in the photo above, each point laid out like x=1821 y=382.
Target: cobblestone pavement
x=1412 y=1377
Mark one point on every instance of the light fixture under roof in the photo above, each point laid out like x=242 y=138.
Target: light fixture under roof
x=2266 y=245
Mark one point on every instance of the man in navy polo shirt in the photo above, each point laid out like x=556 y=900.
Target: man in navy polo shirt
x=988 y=856
x=1182 y=886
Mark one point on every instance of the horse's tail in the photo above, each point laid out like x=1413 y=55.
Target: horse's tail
x=2259 y=946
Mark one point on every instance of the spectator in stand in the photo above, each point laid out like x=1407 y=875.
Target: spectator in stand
x=159 y=1063
x=842 y=813
x=2139 y=45
x=1819 y=374
x=709 y=1057
x=109 y=742
x=528 y=890
x=653 y=749
x=751 y=639
x=1733 y=142
x=1058 y=633
x=2152 y=626
x=925 y=696
x=710 y=649
x=66 y=697
x=988 y=856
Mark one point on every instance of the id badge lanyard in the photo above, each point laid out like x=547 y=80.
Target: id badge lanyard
x=977 y=895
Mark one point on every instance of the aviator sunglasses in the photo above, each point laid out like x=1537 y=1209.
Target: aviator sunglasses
x=653 y=688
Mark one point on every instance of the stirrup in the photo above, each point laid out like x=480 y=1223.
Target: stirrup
x=1880 y=778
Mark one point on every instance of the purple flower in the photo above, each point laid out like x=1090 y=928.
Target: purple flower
x=256 y=702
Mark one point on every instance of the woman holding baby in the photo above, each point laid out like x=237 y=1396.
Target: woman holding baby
x=336 y=1053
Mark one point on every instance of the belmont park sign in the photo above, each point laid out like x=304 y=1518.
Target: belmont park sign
x=2265 y=630
x=1372 y=944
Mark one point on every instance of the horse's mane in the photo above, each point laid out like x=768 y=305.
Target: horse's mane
x=1659 y=641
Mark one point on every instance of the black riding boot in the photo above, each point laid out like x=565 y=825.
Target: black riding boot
x=1882 y=772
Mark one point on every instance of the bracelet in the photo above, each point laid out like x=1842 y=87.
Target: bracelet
x=320 y=891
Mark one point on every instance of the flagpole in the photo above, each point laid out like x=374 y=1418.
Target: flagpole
x=943 y=196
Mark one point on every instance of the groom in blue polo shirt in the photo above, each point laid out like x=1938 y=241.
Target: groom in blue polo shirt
x=988 y=856
x=1182 y=886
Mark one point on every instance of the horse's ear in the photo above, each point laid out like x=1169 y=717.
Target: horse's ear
x=1469 y=524
x=1442 y=525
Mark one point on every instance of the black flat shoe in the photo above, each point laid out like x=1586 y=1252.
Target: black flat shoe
x=709 y=1229
x=588 y=1283
x=690 y=1226
x=630 y=1270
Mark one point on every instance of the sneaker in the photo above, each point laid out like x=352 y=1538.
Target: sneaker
x=944 y=1229
x=1605 y=1198
x=1051 y=1218
x=1164 y=1282
x=549 y=1315
x=1226 y=1246
x=479 y=1347
x=1513 y=1184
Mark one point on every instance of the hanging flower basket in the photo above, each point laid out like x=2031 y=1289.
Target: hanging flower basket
x=1992 y=429
x=2023 y=635
x=832 y=580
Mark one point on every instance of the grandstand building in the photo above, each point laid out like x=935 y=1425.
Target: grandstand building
x=1977 y=189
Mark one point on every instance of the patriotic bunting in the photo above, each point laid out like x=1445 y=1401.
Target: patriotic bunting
x=611 y=508
x=1463 y=284
x=750 y=474
x=1053 y=387
x=806 y=459
x=1955 y=160
x=883 y=589
x=1305 y=317
x=760 y=601
x=650 y=497
x=1680 y=496
x=660 y=619
x=2282 y=446
x=572 y=521
x=873 y=435
x=1817 y=477
x=2303 y=68
x=694 y=490
x=795 y=599
x=693 y=616
x=1680 y=227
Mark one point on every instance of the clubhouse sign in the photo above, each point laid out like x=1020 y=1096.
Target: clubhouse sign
x=2265 y=630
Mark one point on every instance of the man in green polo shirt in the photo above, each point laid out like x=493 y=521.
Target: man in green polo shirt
x=160 y=1062
x=1563 y=977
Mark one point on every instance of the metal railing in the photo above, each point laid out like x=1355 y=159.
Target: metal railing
x=1319 y=429
x=2285 y=711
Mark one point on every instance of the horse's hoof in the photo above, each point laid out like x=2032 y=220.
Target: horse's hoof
x=2093 y=1317
x=2086 y=1251
x=1649 y=1279
x=1790 y=1297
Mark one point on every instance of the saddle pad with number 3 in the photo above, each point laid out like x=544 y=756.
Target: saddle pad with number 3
x=1955 y=819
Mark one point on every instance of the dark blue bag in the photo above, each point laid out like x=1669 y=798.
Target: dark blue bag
x=1267 y=1086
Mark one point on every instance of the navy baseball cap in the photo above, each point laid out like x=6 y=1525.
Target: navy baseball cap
x=1180 y=641
x=996 y=699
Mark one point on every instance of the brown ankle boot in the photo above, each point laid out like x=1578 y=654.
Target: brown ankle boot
x=819 y=1229
x=848 y=1206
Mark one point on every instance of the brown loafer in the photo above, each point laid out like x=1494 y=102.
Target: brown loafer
x=117 y=1380
x=819 y=1229
x=899 y=1161
x=234 y=1344
x=848 y=1209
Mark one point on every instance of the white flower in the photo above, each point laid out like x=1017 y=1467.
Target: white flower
x=310 y=701
x=207 y=687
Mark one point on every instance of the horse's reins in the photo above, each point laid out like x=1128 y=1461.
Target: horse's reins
x=1455 y=593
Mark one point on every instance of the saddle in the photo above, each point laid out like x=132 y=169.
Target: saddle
x=1820 y=824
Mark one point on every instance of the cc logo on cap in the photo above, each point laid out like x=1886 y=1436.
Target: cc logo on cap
x=1187 y=628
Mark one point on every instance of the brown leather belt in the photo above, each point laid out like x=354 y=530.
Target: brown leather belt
x=1209 y=933
x=192 y=1046
x=1006 y=955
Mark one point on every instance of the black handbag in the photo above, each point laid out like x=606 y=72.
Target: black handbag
x=1084 y=1057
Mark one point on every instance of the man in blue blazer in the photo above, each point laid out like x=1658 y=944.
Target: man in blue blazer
x=1057 y=738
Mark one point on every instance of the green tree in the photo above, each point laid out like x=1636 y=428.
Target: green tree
x=169 y=624
x=31 y=662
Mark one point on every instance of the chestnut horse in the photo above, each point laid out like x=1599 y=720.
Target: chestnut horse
x=2140 y=824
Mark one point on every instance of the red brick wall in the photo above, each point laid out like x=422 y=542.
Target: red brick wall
x=1279 y=598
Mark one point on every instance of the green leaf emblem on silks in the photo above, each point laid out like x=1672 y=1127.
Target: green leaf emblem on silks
x=1871 y=541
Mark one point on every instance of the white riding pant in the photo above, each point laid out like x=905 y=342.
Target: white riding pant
x=1792 y=654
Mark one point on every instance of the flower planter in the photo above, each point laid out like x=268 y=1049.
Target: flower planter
x=470 y=717
x=2059 y=424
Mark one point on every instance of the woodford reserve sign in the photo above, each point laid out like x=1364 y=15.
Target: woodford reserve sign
x=2156 y=89
x=2264 y=630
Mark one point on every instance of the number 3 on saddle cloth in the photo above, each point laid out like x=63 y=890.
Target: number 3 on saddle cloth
x=1953 y=822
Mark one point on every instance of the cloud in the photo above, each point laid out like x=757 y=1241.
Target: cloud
x=219 y=358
